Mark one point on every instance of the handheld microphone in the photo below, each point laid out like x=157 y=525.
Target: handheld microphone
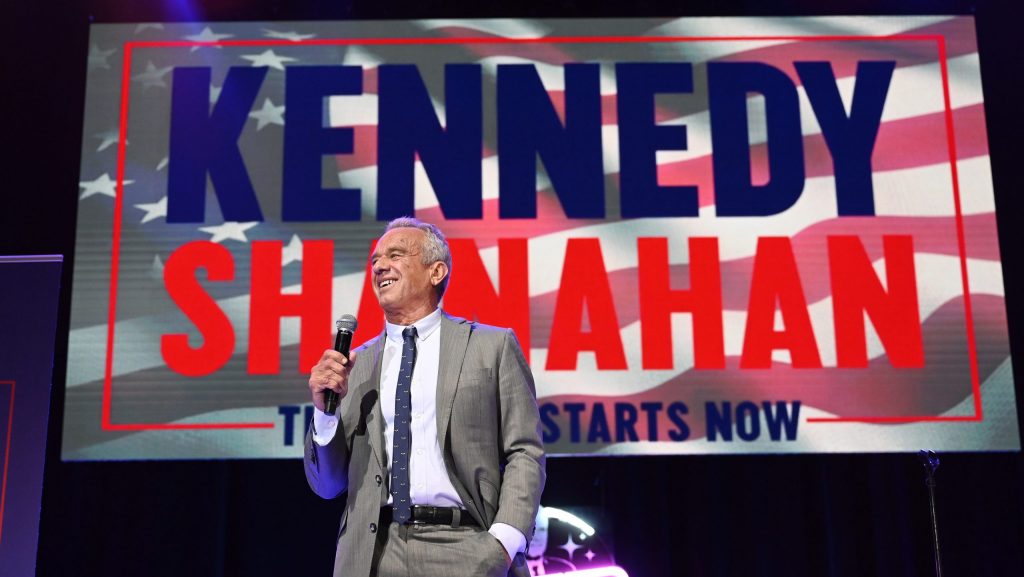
x=342 y=341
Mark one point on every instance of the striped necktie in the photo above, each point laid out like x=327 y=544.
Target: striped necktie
x=401 y=502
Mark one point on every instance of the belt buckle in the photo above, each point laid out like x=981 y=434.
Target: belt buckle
x=412 y=515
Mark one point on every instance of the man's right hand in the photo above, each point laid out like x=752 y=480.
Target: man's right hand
x=331 y=373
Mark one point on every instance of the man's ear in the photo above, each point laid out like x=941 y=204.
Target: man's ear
x=438 y=272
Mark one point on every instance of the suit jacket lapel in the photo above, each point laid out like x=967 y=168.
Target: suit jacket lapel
x=454 y=340
x=375 y=423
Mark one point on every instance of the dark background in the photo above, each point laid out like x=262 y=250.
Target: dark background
x=835 y=515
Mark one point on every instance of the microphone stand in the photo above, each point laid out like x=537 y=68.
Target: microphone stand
x=931 y=462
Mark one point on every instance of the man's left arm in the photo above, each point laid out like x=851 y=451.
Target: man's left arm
x=522 y=448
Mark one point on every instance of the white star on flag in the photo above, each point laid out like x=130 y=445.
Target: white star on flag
x=269 y=114
x=268 y=58
x=154 y=210
x=107 y=139
x=103 y=185
x=153 y=76
x=207 y=35
x=292 y=252
x=293 y=36
x=156 y=272
x=570 y=546
x=356 y=56
x=98 y=58
x=229 y=230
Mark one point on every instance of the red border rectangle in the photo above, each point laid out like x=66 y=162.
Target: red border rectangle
x=129 y=47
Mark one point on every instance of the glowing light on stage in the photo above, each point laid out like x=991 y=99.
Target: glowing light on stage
x=567 y=517
x=610 y=571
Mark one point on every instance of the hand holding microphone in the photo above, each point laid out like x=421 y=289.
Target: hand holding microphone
x=328 y=379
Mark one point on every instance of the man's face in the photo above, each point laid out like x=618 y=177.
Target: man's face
x=401 y=281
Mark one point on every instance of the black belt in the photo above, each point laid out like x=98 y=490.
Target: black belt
x=432 y=515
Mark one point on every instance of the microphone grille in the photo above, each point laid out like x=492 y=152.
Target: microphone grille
x=347 y=323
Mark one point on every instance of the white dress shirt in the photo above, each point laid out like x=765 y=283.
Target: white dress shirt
x=429 y=483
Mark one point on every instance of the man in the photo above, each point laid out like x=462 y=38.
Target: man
x=442 y=468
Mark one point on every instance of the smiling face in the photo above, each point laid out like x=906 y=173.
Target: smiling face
x=405 y=287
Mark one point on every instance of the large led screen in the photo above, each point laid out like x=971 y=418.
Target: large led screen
x=717 y=235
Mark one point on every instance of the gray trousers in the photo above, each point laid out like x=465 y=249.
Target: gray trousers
x=420 y=550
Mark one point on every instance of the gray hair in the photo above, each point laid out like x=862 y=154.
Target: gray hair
x=435 y=246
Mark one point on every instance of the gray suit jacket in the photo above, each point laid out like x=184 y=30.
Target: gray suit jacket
x=488 y=427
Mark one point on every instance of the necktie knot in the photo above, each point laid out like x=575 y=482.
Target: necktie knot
x=409 y=333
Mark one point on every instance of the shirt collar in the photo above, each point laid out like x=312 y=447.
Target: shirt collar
x=425 y=327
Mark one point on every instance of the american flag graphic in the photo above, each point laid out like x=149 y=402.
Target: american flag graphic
x=931 y=180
